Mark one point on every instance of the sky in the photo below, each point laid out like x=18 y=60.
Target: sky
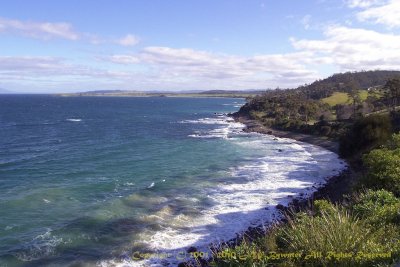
x=49 y=46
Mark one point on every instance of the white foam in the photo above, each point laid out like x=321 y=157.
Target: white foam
x=225 y=127
x=8 y=227
x=74 y=120
x=286 y=169
x=216 y=121
x=41 y=246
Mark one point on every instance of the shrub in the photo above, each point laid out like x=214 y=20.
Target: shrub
x=394 y=142
x=335 y=230
x=247 y=254
x=365 y=134
x=383 y=169
x=377 y=207
x=325 y=130
x=323 y=207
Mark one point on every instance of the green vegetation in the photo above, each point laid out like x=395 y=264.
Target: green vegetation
x=364 y=234
x=365 y=133
x=326 y=107
x=339 y=98
x=377 y=207
x=336 y=98
x=384 y=167
x=364 y=228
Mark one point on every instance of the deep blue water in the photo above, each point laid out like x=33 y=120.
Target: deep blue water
x=89 y=180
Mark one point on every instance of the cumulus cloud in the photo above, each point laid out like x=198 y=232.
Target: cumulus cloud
x=128 y=40
x=40 y=30
x=364 y=3
x=387 y=14
x=61 y=30
x=354 y=49
x=189 y=66
x=24 y=67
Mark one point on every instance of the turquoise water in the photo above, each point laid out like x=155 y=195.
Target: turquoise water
x=90 y=180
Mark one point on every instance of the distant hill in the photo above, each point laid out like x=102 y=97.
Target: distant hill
x=330 y=98
x=189 y=93
x=252 y=91
x=338 y=82
x=103 y=92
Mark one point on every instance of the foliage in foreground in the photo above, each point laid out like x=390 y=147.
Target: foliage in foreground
x=334 y=236
x=383 y=166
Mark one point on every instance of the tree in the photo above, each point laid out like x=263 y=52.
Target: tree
x=384 y=167
x=353 y=93
x=308 y=109
x=393 y=92
x=366 y=133
x=343 y=112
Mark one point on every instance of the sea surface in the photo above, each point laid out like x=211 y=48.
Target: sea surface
x=96 y=181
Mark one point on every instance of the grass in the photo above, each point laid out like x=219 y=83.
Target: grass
x=336 y=99
x=342 y=98
x=333 y=236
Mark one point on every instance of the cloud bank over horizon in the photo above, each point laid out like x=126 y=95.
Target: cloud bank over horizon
x=67 y=56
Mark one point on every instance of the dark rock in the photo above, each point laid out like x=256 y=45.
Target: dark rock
x=280 y=207
x=203 y=262
x=269 y=132
x=191 y=249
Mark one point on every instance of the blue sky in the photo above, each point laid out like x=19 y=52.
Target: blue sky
x=69 y=46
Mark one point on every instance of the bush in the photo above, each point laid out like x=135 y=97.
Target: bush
x=323 y=207
x=325 y=130
x=247 y=254
x=394 y=142
x=365 y=134
x=377 y=207
x=384 y=167
x=334 y=230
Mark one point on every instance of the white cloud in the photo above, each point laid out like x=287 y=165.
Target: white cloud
x=306 y=20
x=27 y=67
x=128 y=40
x=40 y=30
x=354 y=49
x=166 y=67
x=123 y=59
x=62 y=30
x=364 y=3
x=212 y=69
x=388 y=14
x=342 y=48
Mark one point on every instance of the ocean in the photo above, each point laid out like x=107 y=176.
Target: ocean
x=100 y=181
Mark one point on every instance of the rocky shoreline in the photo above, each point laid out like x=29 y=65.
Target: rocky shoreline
x=334 y=189
x=255 y=126
x=337 y=185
